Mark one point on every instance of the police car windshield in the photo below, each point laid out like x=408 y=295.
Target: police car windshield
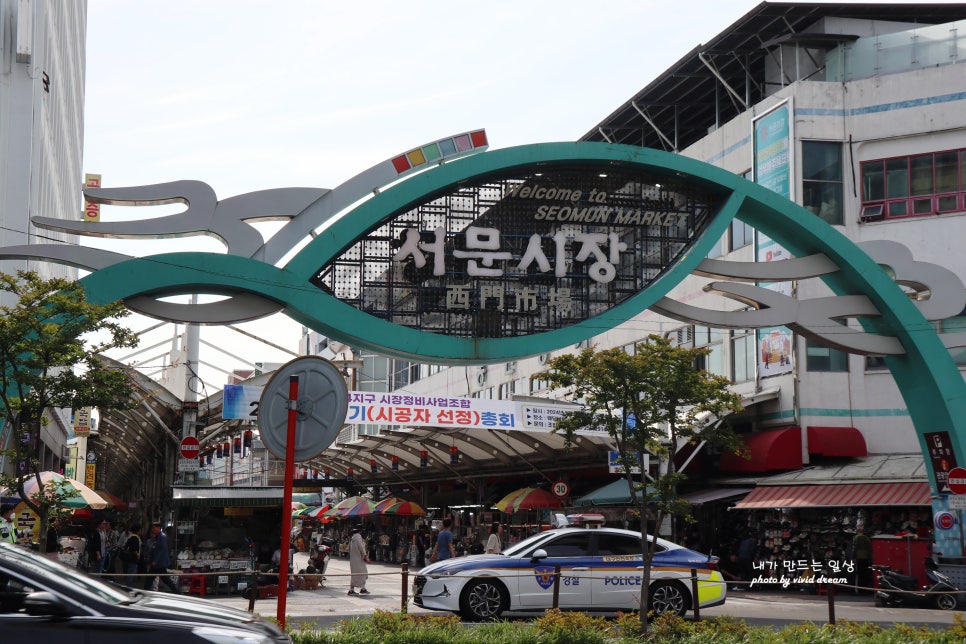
x=530 y=543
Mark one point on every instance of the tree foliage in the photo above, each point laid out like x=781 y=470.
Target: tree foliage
x=49 y=345
x=651 y=404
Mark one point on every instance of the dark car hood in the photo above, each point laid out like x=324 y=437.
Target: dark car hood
x=189 y=608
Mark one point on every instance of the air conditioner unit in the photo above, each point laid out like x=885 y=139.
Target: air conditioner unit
x=583 y=344
x=481 y=376
x=543 y=358
x=510 y=367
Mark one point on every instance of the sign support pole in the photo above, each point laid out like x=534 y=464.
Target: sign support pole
x=285 y=547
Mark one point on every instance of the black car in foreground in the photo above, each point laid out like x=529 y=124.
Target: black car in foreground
x=42 y=600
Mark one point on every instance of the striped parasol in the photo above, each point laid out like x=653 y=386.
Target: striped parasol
x=399 y=507
x=528 y=498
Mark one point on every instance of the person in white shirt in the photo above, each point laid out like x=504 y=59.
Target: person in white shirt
x=493 y=544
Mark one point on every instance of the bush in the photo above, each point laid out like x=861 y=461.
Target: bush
x=562 y=627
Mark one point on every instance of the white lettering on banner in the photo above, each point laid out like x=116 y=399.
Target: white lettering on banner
x=483 y=246
x=373 y=408
x=366 y=408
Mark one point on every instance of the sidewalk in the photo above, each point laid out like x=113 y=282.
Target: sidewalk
x=330 y=603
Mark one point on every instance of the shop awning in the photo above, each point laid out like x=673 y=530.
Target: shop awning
x=820 y=496
x=836 y=441
x=714 y=494
x=615 y=493
x=777 y=449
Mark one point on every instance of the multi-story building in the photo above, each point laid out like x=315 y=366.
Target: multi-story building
x=855 y=112
x=42 y=68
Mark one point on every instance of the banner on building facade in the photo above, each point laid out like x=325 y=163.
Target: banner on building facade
x=413 y=410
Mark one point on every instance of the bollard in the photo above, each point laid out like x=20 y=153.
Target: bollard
x=831 y=604
x=556 y=586
x=694 y=595
x=405 y=587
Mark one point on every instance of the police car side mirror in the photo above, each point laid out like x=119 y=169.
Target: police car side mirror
x=538 y=554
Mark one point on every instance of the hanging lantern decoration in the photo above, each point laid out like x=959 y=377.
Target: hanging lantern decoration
x=208 y=456
x=327 y=473
x=348 y=475
x=248 y=439
x=395 y=463
x=424 y=459
x=238 y=445
x=218 y=452
x=226 y=448
x=315 y=474
x=454 y=455
x=373 y=466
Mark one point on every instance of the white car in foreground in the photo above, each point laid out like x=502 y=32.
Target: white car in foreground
x=600 y=570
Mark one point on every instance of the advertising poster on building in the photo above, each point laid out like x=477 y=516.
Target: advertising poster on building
x=772 y=163
x=375 y=408
x=240 y=402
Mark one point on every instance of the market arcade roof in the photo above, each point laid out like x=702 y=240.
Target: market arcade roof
x=717 y=81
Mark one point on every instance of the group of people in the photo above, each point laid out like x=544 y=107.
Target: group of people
x=147 y=558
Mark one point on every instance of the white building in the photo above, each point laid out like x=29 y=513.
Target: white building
x=873 y=96
x=42 y=68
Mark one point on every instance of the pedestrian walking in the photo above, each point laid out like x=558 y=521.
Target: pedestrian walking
x=161 y=559
x=358 y=558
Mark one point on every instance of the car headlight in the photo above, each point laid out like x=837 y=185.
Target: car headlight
x=222 y=635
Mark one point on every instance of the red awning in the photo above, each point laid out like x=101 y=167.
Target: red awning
x=777 y=449
x=836 y=441
x=819 y=496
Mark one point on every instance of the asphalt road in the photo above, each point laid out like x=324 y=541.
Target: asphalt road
x=326 y=606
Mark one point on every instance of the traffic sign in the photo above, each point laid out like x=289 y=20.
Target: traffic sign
x=957 y=480
x=561 y=489
x=190 y=447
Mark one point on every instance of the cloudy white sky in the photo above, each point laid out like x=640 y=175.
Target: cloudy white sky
x=251 y=95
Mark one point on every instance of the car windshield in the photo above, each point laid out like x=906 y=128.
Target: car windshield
x=48 y=568
x=528 y=544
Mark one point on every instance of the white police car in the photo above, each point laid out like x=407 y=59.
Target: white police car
x=600 y=570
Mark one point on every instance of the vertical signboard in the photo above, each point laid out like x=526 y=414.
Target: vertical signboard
x=82 y=421
x=92 y=211
x=90 y=471
x=772 y=162
x=942 y=456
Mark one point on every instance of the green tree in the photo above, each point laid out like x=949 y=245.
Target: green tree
x=651 y=403
x=49 y=345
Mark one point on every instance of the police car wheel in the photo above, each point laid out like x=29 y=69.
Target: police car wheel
x=483 y=599
x=668 y=597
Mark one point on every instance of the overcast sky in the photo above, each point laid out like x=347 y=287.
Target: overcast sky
x=251 y=95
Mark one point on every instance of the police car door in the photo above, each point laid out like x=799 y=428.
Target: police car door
x=571 y=551
x=618 y=571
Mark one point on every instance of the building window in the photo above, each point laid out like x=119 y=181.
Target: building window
x=956 y=324
x=698 y=336
x=718 y=249
x=822 y=358
x=743 y=355
x=913 y=186
x=539 y=384
x=822 y=180
x=741 y=234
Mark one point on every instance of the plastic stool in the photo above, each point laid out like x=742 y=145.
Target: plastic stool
x=197 y=585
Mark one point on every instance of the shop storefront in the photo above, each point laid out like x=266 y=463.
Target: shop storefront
x=221 y=533
x=815 y=514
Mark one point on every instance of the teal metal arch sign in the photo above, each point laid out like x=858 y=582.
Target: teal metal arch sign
x=259 y=280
